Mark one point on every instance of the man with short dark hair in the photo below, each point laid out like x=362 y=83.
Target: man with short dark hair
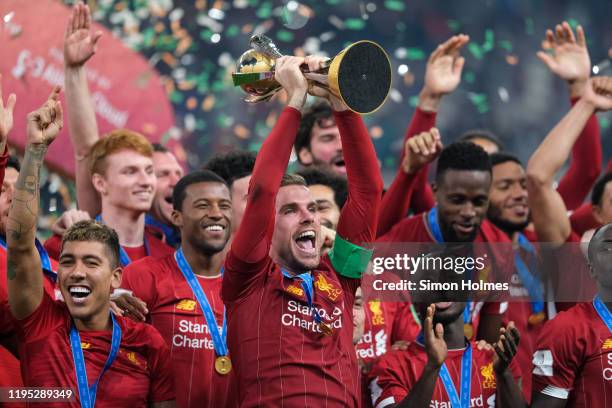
x=483 y=138
x=318 y=140
x=289 y=310
x=441 y=366
x=573 y=358
x=235 y=168
x=463 y=181
x=77 y=343
x=601 y=199
x=329 y=191
x=182 y=292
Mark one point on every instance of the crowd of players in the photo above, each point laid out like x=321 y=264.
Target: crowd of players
x=239 y=285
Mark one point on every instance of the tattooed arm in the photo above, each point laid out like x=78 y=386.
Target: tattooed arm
x=25 y=280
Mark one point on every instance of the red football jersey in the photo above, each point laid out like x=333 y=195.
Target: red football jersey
x=175 y=312
x=415 y=229
x=573 y=360
x=10 y=373
x=279 y=351
x=140 y=374
x=396 y=373
x=519 y=310
x=385 y=324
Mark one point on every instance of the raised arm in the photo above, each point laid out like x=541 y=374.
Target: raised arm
x=252 y=241
x=25 y=279
x=442 y=76
x=548 y=210
x=357 y=223
x=570 y=61
x=6 y=125
x=79 y=46
x=435 y=346
x=6 y=118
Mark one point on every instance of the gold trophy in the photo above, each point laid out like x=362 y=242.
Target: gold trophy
x=360 y=75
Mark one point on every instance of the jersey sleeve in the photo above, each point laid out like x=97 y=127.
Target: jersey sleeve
x=557 y=358
x=7 y=324
x=42 y=321
x=585 y=165
x=406 y=325
x=359 y=216
x=251 y=245
x=408 y=191
x=53 y=246
x=387 y=380
x=161 y=387
x=138 y=278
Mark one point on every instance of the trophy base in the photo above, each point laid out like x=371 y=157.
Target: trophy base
x=361 y=76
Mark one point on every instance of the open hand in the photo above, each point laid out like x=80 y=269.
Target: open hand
x=570 y=57
x=444 y=67
x=6 y=115
x=435 y=346
x=79 y=41
x=506 y=347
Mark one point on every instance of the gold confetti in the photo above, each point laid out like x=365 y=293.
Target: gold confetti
x=192 y=102
x=169 y=59
x=242 y=132
x=169 y=84
x=409 y=79
x=183 y=46
x=376 y=132
x=208 y=103
x=512 y=59
x=271 y=119
x=148 y=128
x=185 y=85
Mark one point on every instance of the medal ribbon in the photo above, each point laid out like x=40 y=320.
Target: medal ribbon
x=529 y=280
x=124 y=258
x=603 y=312
x=173 y=238
x=219 y=338
x=45 y=260
x=434 y=227
x=87 y=394
x=457 y=401
x=307 y=285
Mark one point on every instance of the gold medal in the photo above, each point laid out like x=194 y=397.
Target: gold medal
x=468 y=330
x=326 y=329
x=536 y=318
x=223 y=365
